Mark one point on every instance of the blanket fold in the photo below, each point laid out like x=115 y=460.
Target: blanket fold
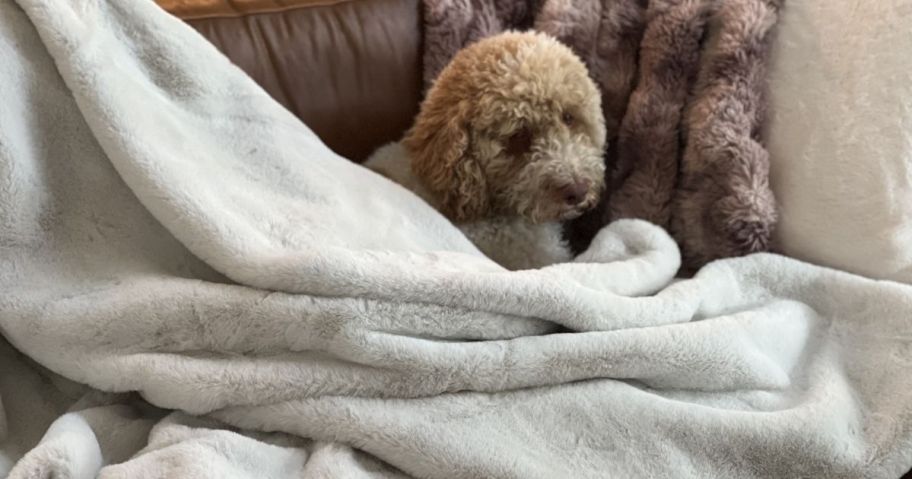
x=193 y=285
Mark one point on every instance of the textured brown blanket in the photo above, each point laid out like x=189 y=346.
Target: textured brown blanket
x=682 y=86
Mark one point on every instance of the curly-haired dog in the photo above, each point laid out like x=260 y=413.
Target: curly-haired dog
x=508 y=143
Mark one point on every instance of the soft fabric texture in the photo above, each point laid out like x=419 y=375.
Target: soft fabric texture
x=168 y=229
x=647 y=57
x=723 y=206
x=840 y=135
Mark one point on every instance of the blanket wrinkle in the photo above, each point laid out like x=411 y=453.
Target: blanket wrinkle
x=287 y=313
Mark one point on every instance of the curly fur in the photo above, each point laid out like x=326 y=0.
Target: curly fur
x=453 y=24
x=509 y=127
x=606 y=34
x=643 y=56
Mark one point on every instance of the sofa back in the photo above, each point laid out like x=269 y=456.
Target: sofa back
x=350 y=69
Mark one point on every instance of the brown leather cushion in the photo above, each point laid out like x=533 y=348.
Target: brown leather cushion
x=350 y=69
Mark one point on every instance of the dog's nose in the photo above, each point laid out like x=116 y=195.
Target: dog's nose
x=574 y=193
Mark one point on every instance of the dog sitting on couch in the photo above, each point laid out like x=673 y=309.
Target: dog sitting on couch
x=508 y=144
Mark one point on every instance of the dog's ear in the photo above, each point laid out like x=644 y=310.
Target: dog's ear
x=439 y=147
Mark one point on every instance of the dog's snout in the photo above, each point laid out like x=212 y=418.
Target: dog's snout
x=574 y=193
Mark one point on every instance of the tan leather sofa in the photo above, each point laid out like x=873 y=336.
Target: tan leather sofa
x=350 y=69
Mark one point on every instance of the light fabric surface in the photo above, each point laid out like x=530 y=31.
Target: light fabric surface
x=166 y=228
x=840 y=134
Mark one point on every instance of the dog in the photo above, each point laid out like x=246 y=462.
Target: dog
x=508 y=143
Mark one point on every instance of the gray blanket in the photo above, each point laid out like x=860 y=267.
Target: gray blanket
x=194 y=286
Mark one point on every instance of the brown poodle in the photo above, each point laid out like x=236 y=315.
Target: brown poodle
x=508 y=143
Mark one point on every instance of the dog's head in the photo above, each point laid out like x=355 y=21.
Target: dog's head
x=512 y=126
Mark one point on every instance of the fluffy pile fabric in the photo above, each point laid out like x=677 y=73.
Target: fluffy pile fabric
x=683 y=95
x=194 y=286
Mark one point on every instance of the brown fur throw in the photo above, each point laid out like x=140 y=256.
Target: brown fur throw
x=682 y=92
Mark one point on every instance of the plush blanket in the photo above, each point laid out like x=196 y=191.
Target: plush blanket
x=682 y=85
x=194 y=286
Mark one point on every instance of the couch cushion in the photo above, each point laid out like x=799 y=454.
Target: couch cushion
x=350 y=69
x=840 y=134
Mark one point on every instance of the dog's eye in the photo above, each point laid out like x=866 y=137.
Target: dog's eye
x=520 y=142
x=568 y=118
